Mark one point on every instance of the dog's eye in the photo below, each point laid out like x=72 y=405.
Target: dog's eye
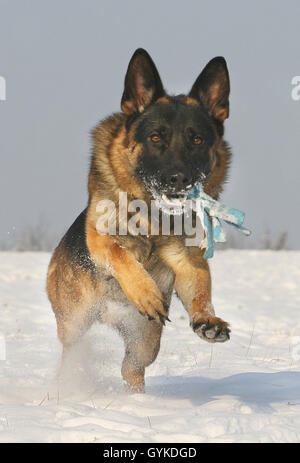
x=155 y=138
x=197 y=140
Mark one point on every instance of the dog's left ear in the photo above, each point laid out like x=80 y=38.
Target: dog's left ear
x=212 y=88
x=142 y=83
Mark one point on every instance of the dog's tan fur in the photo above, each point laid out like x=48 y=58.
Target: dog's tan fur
x=131 y=276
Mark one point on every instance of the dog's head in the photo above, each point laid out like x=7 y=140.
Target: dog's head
x=172 y=139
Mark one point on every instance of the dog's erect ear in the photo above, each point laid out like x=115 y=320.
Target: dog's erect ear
x=212 y=88
x=142 y=83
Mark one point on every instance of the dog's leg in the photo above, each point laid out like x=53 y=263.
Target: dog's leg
x=142 y=343
x=74 y=296
x=193 y=286
x=70 y=328
x=134 y=280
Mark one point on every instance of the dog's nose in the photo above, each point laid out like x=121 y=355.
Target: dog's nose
x=179 y=181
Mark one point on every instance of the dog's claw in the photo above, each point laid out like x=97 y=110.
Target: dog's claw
x=162 y=318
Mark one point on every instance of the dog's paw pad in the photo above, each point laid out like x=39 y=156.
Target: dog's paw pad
x=215 y=330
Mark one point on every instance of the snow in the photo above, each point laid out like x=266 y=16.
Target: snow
x=246 y=390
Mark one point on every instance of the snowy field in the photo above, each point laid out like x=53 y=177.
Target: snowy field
x=246 y=390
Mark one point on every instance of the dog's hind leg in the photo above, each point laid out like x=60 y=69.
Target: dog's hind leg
x=142 y=343
x=71 y=327
x=74 y=296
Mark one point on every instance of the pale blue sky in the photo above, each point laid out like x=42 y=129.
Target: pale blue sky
x=64 y=63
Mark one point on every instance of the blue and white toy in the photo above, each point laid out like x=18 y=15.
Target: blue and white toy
x=207 y=208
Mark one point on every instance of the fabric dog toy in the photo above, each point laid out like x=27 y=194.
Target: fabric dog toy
x=207 y=208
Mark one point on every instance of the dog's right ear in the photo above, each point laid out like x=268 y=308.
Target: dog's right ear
x=142 y=83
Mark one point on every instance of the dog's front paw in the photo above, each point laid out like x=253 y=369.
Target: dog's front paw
x=148 y=300
x=212 y=329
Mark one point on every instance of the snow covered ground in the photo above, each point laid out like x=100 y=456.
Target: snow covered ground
x=246 y=390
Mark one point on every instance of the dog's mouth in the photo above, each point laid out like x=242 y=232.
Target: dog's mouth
x=166 y=193
x=165 y=196
x=163 y=192
x=170 y=202
x=173 y=199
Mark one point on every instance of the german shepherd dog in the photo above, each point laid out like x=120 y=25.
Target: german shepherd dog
x=158 y=145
